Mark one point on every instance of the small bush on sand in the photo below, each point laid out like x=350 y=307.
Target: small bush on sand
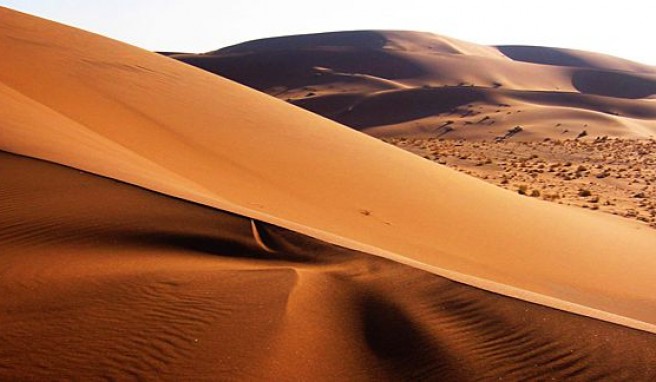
x=584 y=193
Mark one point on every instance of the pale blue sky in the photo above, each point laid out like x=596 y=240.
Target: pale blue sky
x=622 y=28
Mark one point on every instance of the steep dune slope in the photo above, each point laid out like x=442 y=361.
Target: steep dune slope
x=342 y=75
x=124 y=113
x=144 y=286
x=571 y=57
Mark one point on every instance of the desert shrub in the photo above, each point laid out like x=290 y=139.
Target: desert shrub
x=584 y=193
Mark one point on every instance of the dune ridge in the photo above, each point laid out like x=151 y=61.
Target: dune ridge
x=190 y=134
x=343 y=75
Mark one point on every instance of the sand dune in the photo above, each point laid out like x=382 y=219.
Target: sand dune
x=343 y=75
x=82 y=261
x=120 y=112
x=146 y=286
x=573 y=58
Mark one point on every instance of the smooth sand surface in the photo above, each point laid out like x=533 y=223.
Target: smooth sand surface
x=117 y=111
x=121 y=112
x=425 y=85
x=106 y=281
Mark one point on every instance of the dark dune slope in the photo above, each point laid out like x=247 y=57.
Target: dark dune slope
x=454 y=103
x=571 y=57
x=102 y=280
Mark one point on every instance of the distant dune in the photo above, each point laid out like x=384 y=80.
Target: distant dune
x=425 y=85
x=161 y=222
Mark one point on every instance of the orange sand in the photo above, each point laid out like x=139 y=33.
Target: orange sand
x=144 y=286
x=124 y=284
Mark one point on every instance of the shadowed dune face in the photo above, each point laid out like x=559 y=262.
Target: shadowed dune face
x=276 y=70
x=446 y=105
x=409 y=105
x=101 y=280
x=569 y=57
x=334 y=74
x=545 y=56
x=618 y=85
